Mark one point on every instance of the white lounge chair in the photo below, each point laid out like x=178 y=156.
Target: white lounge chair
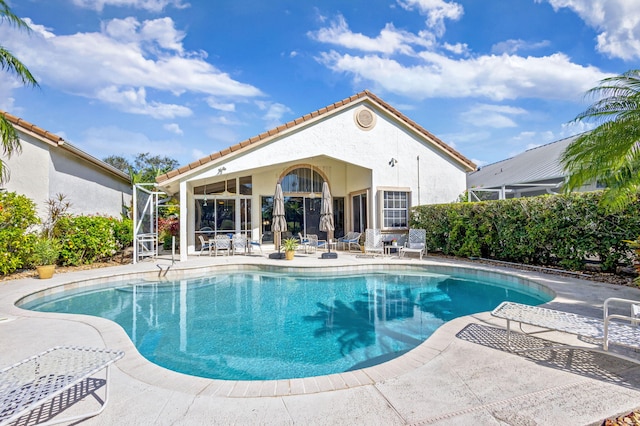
x=350 y=239
x=204 y=245
x=373 y=241
x=253 y=243
x=30 y=384
x=313 y=243
x=222 y=243
x=613 y=329
x=239 y=244
x=417 y=243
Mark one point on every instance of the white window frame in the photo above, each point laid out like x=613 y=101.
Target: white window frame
x=394 y=205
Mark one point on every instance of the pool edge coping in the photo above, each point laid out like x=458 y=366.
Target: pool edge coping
x=139 y=368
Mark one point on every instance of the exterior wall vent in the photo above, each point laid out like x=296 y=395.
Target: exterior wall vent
x=365 y=118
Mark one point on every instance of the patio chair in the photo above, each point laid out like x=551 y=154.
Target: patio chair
x=313 y=243
x=239 y=243
x=222 y=243
x=373 y=241
x=253 y=243
x=43 y=385
x=204 y=245
x=351 y=239
x=417 y=243
x=304 y=242
x=613 y=329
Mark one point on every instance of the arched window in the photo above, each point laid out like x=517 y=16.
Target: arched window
x=302 y=180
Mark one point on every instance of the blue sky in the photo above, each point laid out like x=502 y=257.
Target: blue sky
x=181 y=78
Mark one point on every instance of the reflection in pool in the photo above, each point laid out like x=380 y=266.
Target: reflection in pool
x=260 y=326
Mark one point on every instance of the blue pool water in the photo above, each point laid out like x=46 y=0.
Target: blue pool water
x=261 y=326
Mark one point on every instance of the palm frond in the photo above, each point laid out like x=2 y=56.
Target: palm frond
x=6 y=14
x=609 y=154
x=10 y=63
x=10 y=144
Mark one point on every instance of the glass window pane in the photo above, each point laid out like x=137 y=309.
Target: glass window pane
x=246 y=185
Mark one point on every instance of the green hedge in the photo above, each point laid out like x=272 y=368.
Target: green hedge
x=17 y=218
x=547 y=230
x=84 y=239
x=87 y=239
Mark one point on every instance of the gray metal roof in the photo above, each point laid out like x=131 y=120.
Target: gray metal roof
x=537 y=165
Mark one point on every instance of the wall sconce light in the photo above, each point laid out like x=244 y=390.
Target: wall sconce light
x=221 y=170
x=393 y=162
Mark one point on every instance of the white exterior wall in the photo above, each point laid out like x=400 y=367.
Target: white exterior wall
x=339 y=137
x=43 y=170
x=30 y=172
x=353 y=160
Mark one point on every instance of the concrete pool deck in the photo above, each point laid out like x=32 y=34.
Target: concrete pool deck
x=463 y=374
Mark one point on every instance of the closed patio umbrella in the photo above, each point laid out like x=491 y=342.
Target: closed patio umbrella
x=326 y=218
x=279 y=221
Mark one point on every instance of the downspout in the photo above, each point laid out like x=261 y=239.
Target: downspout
x=135 y=224
x=418 y=160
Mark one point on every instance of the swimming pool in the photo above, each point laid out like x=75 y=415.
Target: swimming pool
x=264 y=325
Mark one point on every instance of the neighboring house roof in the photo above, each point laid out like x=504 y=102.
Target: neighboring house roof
x=536 y=165
x=305 y=119
x=58 y=142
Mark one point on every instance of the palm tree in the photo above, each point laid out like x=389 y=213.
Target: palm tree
x=609 y=154
x=10 y=142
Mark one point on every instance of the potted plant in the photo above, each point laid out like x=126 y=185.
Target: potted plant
x=289 y=246
x=44 y=257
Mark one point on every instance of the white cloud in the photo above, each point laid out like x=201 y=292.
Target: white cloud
x=173 y=128
x=487 y=76
x=221 y=106
x=8 y=84
x=150 y=5
x=134 y=101
x=155 y=35
x=389 y=41
x=458 y=48
x=274 y=113
x=575 y=128
x=514 y=46
x=147 y=55
x=618 y=23
x=528 y=139
x=111 y=140
x=436 y=11
x=496 y=116
x=197 y=154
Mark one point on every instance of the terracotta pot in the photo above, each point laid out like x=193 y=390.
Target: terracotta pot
x=289 y=254
x=45 y=271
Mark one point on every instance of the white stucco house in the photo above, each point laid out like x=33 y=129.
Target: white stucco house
x=48 y=165
x=377 y=162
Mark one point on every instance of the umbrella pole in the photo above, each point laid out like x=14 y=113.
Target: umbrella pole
x=330 y=238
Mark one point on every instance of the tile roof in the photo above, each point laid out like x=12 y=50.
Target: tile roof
x=270 y=134
x=58 y=142
x=17 y=121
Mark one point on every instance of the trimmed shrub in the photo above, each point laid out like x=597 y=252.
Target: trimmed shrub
x=563 y=230
x=17 y=217
x=123 y=232
x=85 y=239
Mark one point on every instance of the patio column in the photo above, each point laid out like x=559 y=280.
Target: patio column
x=184 y=219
